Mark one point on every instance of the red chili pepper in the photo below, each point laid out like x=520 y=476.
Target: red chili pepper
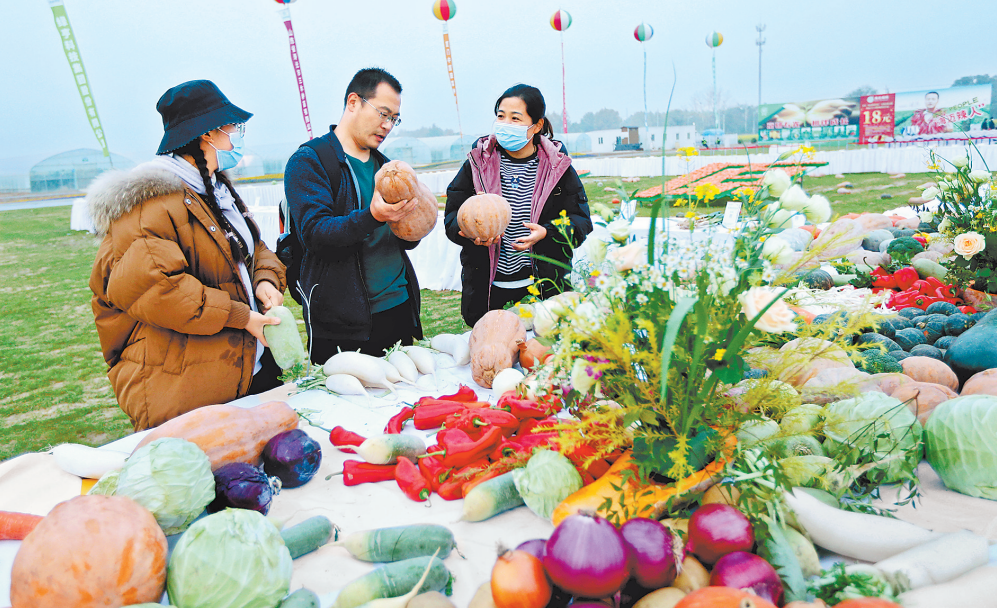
x=356 y=472
x=506 y=447
x=462 y=454
x=934 y=283
x=924 y=301
x=951 y=291
x=882 y=278
x=536 y=440
x=967 y=310
x=905 y=277
x=433 y=414
x=433 y=470
x=479 y=479
x=921 y=286
x=411 y=481
x=522 y=408
x=397 y=421
x=464 y=393
x=342 y=439
x=448 y=437
x=452 y=489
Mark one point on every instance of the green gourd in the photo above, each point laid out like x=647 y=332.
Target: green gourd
x=284 y=338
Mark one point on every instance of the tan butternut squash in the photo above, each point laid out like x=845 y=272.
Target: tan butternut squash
x=420 y=222
x=228 y=433
x=484 y=216
x=91 y=551
x=494 y=345
x=396 y=181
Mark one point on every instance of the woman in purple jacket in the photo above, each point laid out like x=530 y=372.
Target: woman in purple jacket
x=521 y=161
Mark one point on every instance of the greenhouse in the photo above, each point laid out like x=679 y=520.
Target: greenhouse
x=73 y=170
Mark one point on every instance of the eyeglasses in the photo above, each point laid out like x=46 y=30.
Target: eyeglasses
x=239 y=128
x=394 y=120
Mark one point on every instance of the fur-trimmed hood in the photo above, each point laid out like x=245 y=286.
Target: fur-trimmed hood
x=114 y=193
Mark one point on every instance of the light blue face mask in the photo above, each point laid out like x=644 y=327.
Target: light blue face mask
x=511 y=137
x=228 y=159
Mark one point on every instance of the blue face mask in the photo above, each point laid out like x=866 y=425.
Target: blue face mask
x=228 y=159
x=511 y=137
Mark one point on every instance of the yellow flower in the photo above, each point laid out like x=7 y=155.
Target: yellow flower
x=690 y=214
x=807 y=151
x=706 y=192
x=934 y=167
x=688 y=151
x=595 y=273
x=720 y=354
x=533 y=291
x=745 y=192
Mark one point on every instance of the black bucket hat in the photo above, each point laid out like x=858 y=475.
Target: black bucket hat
x=192 y=109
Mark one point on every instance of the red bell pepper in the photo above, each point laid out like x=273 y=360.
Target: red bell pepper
x=432 y=414
x=464 y=393
x=451 y=489
x=922 y=240
x=411 y=481
x=905 y=277
x=882 y=278
x=934 y=283
x=356 y=472
x=924 y=301
x=524 y=408
x=536 y=440
x=921 y=286
x=506 y=447
x=967 y=310
x=462 y=454
x=433 y=470
x=397 y=421
x=949 y=292
x=448 y=437
x=470 y=420
x=343 y=439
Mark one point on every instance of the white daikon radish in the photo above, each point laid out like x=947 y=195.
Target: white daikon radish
x=507 y=380
x=367 y=369
x=870 y=538
x=88 y=462
x=427 y=383
x=936 y=561
x=978 y=589
x=345 y=384
x=455 y=346
x=390 y=371
x=405 y=366
x=423 y=359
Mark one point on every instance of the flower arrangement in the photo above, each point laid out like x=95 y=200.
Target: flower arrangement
x=967 y=217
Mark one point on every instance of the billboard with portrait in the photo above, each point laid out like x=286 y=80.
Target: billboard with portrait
x=940 y=113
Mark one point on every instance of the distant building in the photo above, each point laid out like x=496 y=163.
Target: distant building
x=73 y=170
x=651 y=138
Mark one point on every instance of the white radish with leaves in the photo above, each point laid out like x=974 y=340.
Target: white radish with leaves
x=936 y=561
x=455 y=346
x=406 y=367
x=367 y=369
x=345 y=384
x=977 y=589
x=870 y=538
x=88 y=462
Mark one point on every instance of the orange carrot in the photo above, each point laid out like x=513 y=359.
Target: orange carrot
x=15 y=526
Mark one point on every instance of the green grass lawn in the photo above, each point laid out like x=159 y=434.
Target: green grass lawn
x=53 y=387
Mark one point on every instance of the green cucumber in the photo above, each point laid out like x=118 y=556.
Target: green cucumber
x=927 y=268
x=393 y=580
x=399 y=542
x=284 y=338
x=309 y=535
x=387 y=449
x=489 y=498
x=302 y=598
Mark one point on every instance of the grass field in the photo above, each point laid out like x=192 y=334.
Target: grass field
x=53 y=387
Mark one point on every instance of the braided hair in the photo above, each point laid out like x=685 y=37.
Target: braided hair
x=241 y=251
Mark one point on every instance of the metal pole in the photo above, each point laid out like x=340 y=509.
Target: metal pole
x=761 y=40
x=645 y=85
x=564 y=90
x=716 y=116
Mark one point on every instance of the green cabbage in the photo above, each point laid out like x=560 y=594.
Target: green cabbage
x=546 y=480
x=172 y=479
x=232 y=559
x=961 y=437
x=879 y=427
x=107 y=484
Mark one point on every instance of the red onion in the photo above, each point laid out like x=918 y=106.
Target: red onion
x=748 y=572
x=655 y=550
x=716 y=530
x=534 y=547
x=586 y=556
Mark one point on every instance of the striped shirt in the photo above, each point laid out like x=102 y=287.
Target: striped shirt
x=519 y=178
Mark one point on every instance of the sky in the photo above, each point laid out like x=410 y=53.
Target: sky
x=134 y=50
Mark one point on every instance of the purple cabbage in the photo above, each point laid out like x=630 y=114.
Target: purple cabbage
x=293 y=457
x=242 y=486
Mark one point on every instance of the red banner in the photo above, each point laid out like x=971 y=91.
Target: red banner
x=876 y=118
x=297 y=73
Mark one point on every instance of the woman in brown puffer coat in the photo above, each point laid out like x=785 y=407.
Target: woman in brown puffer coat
x=182 y=277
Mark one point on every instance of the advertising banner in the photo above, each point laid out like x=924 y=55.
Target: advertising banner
x=808 y=121
x=941 y=113
x=877 y=118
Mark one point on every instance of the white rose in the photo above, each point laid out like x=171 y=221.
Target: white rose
x=960 y=162
x=969 y=244
x=794 y=199
x=929 y=193
x=926 y=216
x=777 y=180
x=943 y=225
x=979 y=175
x=627 y=258
x=586 y=318
x=777 y=250
x=781 y=219
x=944 y=186
x=619 y=229
x=818 y=210
x=778 y=318
x=582 y=376
x=594 y=249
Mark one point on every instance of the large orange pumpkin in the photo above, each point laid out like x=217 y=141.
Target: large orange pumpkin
x=494 y=345
x=867 y=602
x=723 y=597
x=484 y=216
x=396 y=181
x=420 y=222
x=91 y=551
